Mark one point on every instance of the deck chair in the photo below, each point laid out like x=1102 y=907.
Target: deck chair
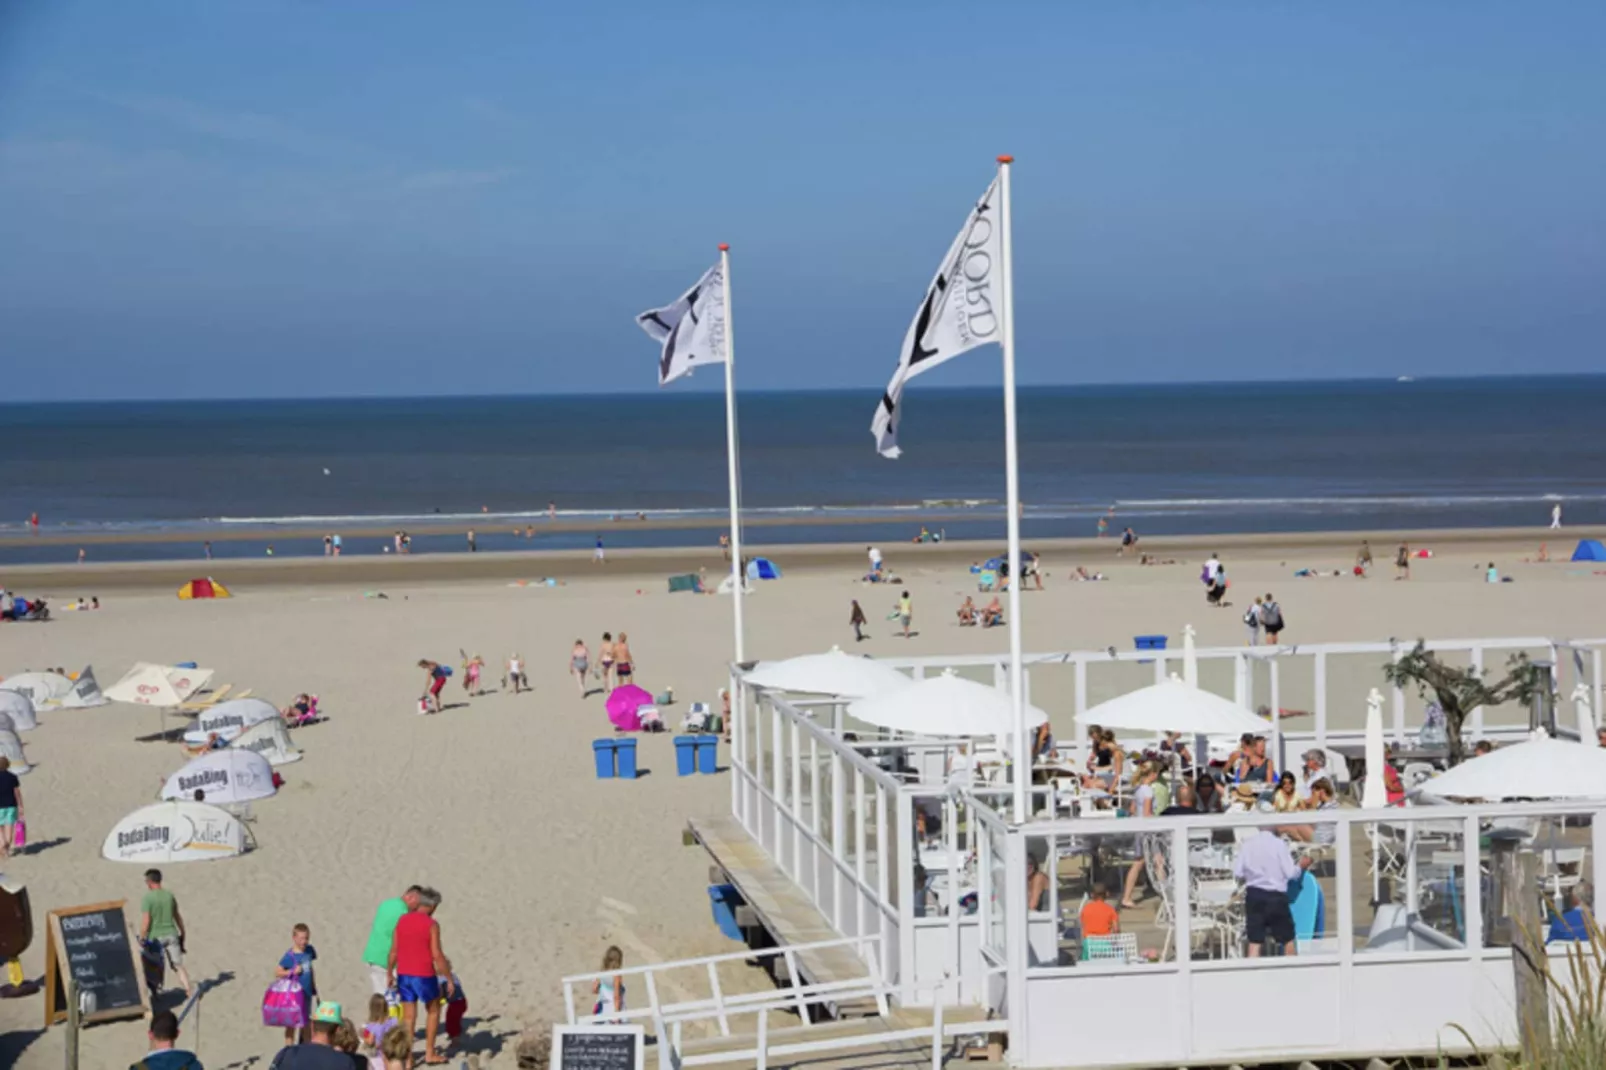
x=206 y=699
x=1309 y=908
x=1217 y=913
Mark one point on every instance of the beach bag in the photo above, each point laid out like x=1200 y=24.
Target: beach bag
x=443 y=670
x=1250 y=618
x=284 y=1004
x=19 y=835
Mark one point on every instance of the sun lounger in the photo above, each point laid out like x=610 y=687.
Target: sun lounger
x=206 y=699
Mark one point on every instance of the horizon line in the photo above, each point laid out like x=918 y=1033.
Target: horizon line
x=796 y=391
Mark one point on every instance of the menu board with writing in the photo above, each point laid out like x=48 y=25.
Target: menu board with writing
x=598 y=1047
x=91 y=946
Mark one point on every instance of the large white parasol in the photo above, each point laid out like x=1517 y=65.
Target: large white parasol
x=1539 y=768
x=945 y=705
x=831 y=673
x=1173 y=706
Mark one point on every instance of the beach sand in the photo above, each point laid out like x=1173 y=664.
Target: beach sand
x=495 y=803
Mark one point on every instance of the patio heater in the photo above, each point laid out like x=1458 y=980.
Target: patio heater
x=1542 y=708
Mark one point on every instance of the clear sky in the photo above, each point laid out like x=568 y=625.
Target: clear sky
x=247 y=198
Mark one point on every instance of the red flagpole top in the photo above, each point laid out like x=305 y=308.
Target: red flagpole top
x=1006 y=159
x=724 y=248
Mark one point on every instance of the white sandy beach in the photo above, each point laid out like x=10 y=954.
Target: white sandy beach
x=495 y=803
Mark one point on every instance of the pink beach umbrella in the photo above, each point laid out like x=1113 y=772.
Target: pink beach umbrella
x=623 y=704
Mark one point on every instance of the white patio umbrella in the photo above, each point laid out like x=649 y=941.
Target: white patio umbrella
x=1586 y=716
x=831 y=673
x=1173 y=706
x=945 y=705
x=1540 y=768
x=1374 y=792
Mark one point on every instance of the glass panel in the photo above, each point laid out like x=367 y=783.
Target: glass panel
x=851 y=817
x=997 y=892
x=872 y=837
x=1409 y=879
x=945 y=862
x=1563 y=858
x=1093 y=873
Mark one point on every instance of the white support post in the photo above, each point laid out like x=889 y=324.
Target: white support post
x=1016 y=937
x=814 y=815
x=1471 y=869
x=777 y=774
x=1022 y=774
x=795 y=803
x=908 y=851
x=839 y=836
x=1398 y=701
x=732 y=463
x=858 y=851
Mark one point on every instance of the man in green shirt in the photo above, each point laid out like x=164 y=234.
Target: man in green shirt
x=161 y=923
x=377 y=953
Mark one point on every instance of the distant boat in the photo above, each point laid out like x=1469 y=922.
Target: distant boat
x=1406 y=379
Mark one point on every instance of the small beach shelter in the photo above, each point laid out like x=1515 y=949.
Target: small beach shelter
x=1590 y=550
x=206 y=587
x=85 y=692
x=226 y=776
x=229 y=719
x=762 y=568
x=11 y=747
x=18 y=709
x=174 y=832
x=44 y=689
x=623 y=704
x=271 y=739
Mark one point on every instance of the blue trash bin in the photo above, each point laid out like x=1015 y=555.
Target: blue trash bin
x=626 y=751
x=707 y=753
x=685 y=755
x=603 y=750
x=724 y=900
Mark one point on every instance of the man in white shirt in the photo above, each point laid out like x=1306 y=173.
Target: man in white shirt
x=875 y=561
x=1266 y=866
x=1211 y=567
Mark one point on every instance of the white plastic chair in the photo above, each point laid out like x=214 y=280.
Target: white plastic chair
x=1415 y=774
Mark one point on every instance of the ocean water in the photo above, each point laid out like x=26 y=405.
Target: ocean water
x=1170 y=458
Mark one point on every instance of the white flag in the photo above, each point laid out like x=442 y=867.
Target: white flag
x=692 y=329
x=957 y=314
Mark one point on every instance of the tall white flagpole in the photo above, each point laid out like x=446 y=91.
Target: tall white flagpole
x=1017 y=688
x=730 y=451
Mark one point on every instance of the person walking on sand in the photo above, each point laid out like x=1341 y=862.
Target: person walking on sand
x=471 y=675
x=435 y=675
x=416 y=961
x=1555 y=517
x=164 y=1054
x=296 y=964
x=1252 y=622
x=1402 y=562
x=473 y=544
x=1363 y=559
x=515 y=672
x=161 y=923
x=1271 y=618
x=857 y=621
x=11 y=808
x=605 y=660
x=206 y=547
x=906 y=611
x=599 y=555
x=624 y=667
x=579 y=662
x=376 y=955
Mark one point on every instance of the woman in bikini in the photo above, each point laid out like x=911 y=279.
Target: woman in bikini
x=579 y=662
x=605 y=658
x=625 y=667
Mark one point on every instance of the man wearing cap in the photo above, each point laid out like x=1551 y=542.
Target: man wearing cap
x=1315 y=769
x=1266 y=866
x=319 y=1053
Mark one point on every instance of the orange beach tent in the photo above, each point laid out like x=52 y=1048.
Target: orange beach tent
x=204 y=588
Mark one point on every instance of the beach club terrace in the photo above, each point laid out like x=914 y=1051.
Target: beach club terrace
x=888 y=870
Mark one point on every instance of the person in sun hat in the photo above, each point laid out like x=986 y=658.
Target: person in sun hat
x=1243 y=799
x=319 y=1053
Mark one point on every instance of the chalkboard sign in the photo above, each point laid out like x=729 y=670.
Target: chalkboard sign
x=598 y=1047
x=92 y=946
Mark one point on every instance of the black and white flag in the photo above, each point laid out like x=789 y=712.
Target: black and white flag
x=692 y=330
x=957 y=314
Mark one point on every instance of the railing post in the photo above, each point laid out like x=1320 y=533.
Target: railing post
x=763 y=1039
x=938 y=997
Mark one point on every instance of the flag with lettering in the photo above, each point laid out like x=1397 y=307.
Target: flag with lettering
x=957 y=314
x=691 y=330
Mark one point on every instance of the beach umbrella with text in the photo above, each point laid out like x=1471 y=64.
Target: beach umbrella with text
x=831 y=673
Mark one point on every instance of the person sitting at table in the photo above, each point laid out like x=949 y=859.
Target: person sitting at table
x=967 y=613
x=1173 y=744
x=1036 y=885
x=993 y=614
x=1186 y=802
x=1484 y=747
x=1254 y=767
x=1098 y=917
x=1321 y=798
x=1208 y=793
x=1285 y=800
x=1573 y=923
x=1243 y=800
x=1043 y=743
x=1393 y=786
x=1105 y=759
x=1315 y=768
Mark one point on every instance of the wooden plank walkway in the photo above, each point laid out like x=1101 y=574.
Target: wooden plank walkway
x=780 y=904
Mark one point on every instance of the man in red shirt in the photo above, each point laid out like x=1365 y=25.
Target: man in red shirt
x=416 y=961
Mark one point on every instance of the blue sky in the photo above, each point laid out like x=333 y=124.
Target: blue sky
x=272 y=199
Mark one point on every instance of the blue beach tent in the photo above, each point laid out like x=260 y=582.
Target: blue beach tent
x=762 y=568
x=1590 y=550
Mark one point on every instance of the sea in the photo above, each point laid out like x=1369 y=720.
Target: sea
x=1168 y=458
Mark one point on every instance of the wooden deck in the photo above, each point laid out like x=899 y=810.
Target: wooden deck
x=781 y=906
